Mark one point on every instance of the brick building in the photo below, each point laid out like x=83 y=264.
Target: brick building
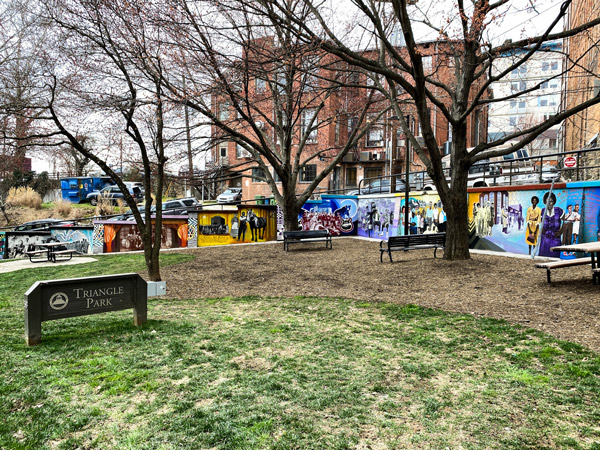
x=381 y=152
x=583 y=82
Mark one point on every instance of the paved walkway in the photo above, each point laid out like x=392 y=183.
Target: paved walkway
x=18 y=264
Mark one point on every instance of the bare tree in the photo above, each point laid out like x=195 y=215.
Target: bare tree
x=96 y=82
x=464 y=49
x=268 y=92
x=21 y=60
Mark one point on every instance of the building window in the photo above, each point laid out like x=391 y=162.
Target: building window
x=309 y=128
x=513 y=105
x=543 y=101
x=551 y=143
x=258 y=175
x=549 y=65
x=518 y=86
x=281 y=83
x=276 y=177
x=512 y=121
x=336 y=131
x=553 y=100
x=224 y=111
x=477 y=128
x=427 y=63
x=223 y=152
x=521 y=70
x=375 y=135
x=544 y=85
x=308 y=173
x=259 y=85
x=351 y=177
x=241 y=152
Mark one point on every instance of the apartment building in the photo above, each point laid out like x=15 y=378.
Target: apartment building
x=544 y=68
x=382 y=151
x=583 y=82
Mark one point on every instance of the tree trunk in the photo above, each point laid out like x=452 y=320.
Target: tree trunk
x=457 y=218
x=152 y=262
x=291 y=210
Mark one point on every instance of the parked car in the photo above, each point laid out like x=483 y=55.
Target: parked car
x=43 y=224
x=231 y=195
x=176 y=207
x=132 y=184
x=379 y=186
x=113 y=193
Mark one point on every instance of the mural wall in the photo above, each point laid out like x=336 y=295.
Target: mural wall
x=233 y=225
x=125 y=236
x=76 y=238
x=531 y=221
x=383 y=217
x=336 y=214
x=18 y=242
x=2 y=244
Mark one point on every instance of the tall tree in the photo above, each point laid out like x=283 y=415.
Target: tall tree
x=266 y=90
x=466 y=50
x=96 y=86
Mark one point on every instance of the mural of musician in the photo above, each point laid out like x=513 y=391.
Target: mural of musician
x=224 y=225
x=338 y=215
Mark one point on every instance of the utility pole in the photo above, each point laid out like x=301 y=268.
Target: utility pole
x=189 y=143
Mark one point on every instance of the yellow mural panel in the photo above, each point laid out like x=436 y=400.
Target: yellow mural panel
x=247 y=224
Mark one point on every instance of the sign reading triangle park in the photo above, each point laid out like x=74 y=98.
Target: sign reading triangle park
x=59 y=299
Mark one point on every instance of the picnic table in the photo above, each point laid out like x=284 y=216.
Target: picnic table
x=593 y=248
x=49 y=251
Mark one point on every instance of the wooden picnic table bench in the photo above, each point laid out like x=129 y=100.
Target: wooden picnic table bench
x=412 y=242
x=305 y=236
x=67 y=252
x=51 y=251
x=593 y=248
x=33 y=255
x=551 y=265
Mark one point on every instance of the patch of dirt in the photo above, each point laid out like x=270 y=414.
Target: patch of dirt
x=490 y=286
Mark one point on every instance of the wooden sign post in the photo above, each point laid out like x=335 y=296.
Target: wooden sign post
x=59 y=299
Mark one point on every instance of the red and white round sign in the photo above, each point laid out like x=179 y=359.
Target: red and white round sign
x=570 y=161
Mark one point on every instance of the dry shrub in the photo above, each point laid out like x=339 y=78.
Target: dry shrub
x=78 y=213
x=63 y=208
x=105 y=207
x=24 y=196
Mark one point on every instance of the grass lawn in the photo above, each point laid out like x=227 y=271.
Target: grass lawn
x=286 y=373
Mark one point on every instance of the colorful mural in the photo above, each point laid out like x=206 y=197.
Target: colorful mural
x=535 y=220
x=76 y=238
x=382 y=217
x=125 y=236
x=233 y=225
x=338 y=215
x=2 y=244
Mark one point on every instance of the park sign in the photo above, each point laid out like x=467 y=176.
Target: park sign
x=59 y=299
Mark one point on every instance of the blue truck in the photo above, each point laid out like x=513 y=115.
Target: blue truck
x=76 y=189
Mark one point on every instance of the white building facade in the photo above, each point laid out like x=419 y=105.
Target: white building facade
x=544 y=68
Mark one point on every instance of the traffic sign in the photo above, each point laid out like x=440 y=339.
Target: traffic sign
x=570 y=161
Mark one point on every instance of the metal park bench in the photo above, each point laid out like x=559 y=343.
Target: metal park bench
x=412 y=242
x=299 y=237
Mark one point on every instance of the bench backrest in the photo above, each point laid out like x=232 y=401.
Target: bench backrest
x=417 y=239
x=306 y=234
